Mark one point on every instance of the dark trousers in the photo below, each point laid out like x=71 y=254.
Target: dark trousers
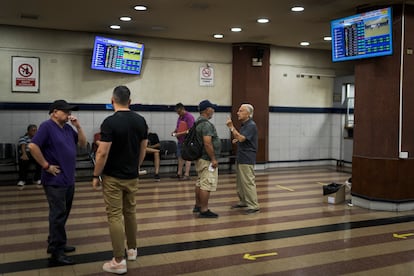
x=60 y=203
x=24 y=169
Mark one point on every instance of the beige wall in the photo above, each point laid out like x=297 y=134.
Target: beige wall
x=170 y=69
x=287 y=89
x=169 y=75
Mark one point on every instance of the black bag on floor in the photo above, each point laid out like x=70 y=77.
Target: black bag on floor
x=331 y=188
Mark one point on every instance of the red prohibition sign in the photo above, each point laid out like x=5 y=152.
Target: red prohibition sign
x=206 y=72
x=25 y=70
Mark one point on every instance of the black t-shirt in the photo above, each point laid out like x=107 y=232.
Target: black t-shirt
x=126 y=130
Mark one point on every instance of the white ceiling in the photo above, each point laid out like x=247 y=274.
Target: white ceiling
x=190 y=19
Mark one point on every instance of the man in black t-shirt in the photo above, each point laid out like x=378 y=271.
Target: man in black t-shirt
x=120 y=152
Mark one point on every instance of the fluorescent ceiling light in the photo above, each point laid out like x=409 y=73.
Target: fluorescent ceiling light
x=327 y=38
x=263 y=20
x=125 y=18
x=297 y=9
x=115 y=27
x=304 y=43
x=218 y=36
x=140 y=8
x=236 y=29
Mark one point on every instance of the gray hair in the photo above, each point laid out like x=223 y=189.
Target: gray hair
x=249 y=108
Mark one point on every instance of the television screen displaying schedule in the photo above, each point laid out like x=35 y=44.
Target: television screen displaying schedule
x=362 y=35
x=117 y=56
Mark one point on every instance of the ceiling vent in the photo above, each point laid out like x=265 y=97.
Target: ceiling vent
x=29 y=16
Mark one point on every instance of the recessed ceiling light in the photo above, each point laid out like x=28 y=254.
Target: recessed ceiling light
x=115 y=27
x=218 y=36
x=140 y=8
x=327 y=38
x=236 y=29
x=263 y=20
x=304 y=43
x=125 y=18
x=297 y=9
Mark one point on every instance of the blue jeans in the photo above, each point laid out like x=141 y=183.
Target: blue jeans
x=60 y=203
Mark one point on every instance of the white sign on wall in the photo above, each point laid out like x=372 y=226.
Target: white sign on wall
x=25 y=74
x=206 y=76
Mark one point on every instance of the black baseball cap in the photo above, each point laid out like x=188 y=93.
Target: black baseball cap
x=62 y=105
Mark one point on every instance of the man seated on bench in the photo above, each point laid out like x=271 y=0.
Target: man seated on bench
x=26 y=159
x=153 y=153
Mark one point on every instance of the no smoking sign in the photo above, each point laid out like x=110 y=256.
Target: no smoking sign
x=25 y=74
x=25 y=70
x=206 y=76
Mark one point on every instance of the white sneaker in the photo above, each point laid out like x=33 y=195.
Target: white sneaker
x=21 y=183
x=114 y=267
x=132 y=254
x=38 y=184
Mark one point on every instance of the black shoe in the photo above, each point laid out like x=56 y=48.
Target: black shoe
x=66 y=249
x=157 y=178
x=238 y=206
x=252 y=211
x=196 y=209
x=207 y=214
x=61 y=259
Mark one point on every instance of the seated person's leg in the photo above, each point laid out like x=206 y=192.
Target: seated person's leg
x=157 y=161
x=155 y=155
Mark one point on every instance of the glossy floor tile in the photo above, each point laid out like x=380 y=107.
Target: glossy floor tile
x=295 y=233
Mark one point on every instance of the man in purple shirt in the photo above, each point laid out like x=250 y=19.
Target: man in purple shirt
x=184 y=122
x=54 y=148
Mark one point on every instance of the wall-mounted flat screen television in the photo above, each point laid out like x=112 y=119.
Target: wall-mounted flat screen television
x=117 y=56
x=362 y=35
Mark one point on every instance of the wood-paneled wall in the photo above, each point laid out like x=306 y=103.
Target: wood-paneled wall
x=378 y=172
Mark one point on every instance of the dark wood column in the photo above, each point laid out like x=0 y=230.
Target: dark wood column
x=251 y=85
x=378 y=171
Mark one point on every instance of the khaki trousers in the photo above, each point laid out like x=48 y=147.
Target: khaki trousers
x=246 y=186
x=119 y=197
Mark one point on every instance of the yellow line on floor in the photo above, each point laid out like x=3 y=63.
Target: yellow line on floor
x=285 y=188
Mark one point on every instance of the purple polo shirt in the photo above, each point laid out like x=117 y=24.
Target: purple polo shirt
x=189 y=119
x=58 y=146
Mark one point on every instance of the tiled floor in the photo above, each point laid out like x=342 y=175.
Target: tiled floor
x=294 y=234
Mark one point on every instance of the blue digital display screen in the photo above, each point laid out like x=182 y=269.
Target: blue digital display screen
x=362 y=35
x=117 y=56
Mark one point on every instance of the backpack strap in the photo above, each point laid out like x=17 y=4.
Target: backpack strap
x=202 y=120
